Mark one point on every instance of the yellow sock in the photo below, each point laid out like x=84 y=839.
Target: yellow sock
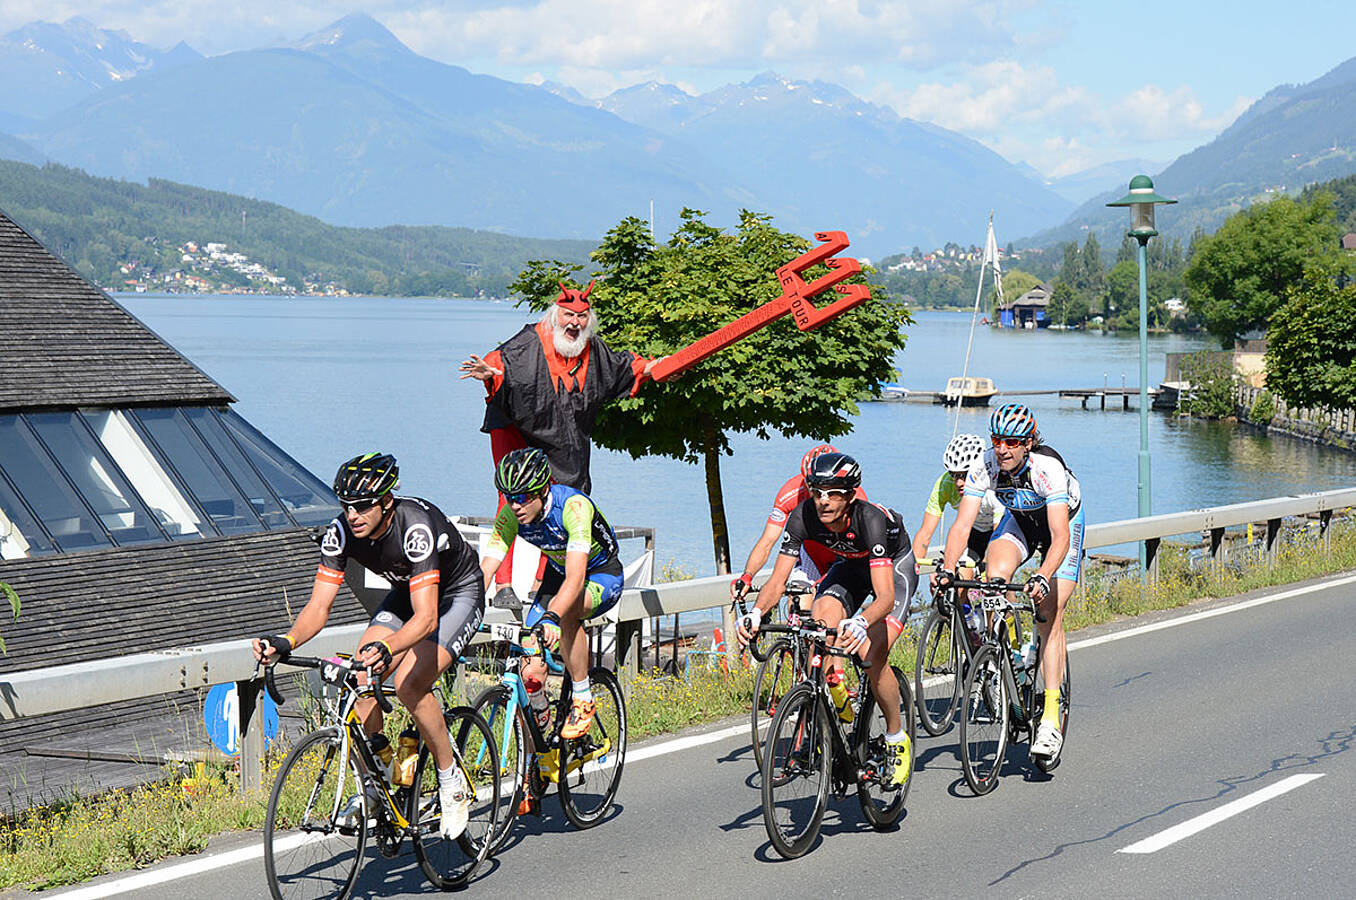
x=1051 y=713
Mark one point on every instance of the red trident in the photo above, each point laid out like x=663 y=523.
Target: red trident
x=795 y=299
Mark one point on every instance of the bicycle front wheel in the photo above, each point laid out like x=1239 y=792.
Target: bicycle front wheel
x=592 y=765
x=1038 y=710
x=776 y=675
x=984 y=721
x=937 y=677
x=504 y=716
x=450 y=862
x=881 y=803
x=311 y=849
x=795 y=775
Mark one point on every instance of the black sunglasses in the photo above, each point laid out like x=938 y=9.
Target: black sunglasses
x=360 y=506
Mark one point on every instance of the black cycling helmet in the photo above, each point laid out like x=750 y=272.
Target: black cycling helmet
x=523 y=471
x=834 y=470
x=370 y=476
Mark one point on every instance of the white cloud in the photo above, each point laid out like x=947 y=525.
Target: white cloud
x=1151 y=113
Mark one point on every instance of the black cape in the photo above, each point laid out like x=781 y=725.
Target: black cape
x=557 y=418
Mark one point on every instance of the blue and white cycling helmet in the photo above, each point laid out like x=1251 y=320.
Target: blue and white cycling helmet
x=963 y=452
x=1012 y=420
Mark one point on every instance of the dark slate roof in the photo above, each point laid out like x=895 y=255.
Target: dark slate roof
x=103 y=603
x=63 y=342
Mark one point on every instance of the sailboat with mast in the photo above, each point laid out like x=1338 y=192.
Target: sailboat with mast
x=968 y=390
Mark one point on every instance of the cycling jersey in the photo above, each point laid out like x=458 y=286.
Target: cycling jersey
x=791 y=495
x=1042 y=479
x=568 y=522
x=419 y=547
x=875 y=536
x=944 y=494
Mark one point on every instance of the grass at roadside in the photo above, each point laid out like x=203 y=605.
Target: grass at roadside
x=81 y=838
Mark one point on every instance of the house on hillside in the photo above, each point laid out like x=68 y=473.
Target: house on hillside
x=1349 y=242
x=138 y=512
x=1027 y=311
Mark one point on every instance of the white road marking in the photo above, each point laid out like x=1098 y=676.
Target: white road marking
x=245 y=854
x=1214 y=817
x=1209 y=613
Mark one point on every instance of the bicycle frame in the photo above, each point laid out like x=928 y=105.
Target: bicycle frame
x=996 y=634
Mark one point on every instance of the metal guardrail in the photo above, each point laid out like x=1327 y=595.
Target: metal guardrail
x=60 y=688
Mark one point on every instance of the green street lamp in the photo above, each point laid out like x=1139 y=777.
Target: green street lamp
x=1142 y=199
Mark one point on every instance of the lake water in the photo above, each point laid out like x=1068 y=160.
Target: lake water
x=329 y=378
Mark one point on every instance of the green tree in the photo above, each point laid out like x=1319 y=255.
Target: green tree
x=1311 y=347
x=1016 y=283
x=655 y=299
x=1211 y=377
x=1238 y=276
x=14 y=607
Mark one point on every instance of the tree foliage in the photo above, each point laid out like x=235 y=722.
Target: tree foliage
x=1239 y=275
x=1311 y=346
x=655 y=299
x=1211 y=377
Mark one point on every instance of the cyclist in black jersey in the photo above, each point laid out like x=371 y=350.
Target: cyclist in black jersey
x=433 y=610
x=874 y=559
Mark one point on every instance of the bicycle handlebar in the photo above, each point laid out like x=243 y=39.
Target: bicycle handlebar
x=312 y=662
x=1000 y=586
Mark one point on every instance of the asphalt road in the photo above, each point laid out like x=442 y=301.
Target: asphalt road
x=1167 y=725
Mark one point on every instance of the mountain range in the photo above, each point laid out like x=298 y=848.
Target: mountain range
x=1293 y=136
x=350 y=125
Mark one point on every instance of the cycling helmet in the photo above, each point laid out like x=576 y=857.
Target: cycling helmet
x=834 y=470
x=963 y=452
x=1012 y=420
x=367 y=477
x=810 y=455
x=523 y=471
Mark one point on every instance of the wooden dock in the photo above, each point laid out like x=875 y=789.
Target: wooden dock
x=1082 y=394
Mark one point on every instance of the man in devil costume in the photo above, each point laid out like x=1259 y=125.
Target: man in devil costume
x=546 y=386
x=548 y=383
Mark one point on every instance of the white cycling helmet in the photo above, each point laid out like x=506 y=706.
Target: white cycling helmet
x=963 y=452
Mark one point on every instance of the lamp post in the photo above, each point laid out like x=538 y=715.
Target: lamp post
x=1141 y=200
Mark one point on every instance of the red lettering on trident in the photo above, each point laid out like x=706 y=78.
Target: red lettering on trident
x=795 y=299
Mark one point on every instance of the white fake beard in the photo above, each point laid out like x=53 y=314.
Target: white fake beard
x=572 y=348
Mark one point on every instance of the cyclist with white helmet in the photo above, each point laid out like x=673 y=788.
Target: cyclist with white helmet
x=1044 y=512
x=962 y=453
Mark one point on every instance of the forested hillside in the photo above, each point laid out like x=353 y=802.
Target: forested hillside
x=124 y=235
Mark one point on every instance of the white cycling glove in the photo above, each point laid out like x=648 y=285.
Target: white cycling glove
x=751 y=620
x=854 y=628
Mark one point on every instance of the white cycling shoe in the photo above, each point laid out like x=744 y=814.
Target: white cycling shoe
x=1049 y=741
x=455 y=799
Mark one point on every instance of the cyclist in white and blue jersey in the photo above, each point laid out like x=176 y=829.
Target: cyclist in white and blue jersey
x=1043 y=512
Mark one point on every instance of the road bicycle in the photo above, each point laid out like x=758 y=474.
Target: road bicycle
x=781 y=664
x=332 y=791
x=946 y=649
x=808 y=752
x=592 y=764
x=1004 y=693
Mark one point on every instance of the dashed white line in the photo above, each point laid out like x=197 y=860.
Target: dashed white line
x=1214 y=817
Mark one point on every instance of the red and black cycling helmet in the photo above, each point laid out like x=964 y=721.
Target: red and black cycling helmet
x=810 y=455
x=369 y=476
x=834 y=470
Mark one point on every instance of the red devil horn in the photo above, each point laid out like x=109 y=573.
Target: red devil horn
x=563 y=288
x=585 y=295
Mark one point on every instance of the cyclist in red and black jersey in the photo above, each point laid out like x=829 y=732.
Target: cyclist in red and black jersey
x=874 y=559
x=815 y=558
x=422 y=626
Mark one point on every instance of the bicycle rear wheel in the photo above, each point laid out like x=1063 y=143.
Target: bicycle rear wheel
x=937 y=678
x=510 y=736
x=450 y=863
x=984 y=721
x=1038 y=709
x=882 y=805
x=306 y=851
x=591 y=766
x=795 y=773
x=776 y=675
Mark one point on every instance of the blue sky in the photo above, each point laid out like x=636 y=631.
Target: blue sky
x=1060 y=85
